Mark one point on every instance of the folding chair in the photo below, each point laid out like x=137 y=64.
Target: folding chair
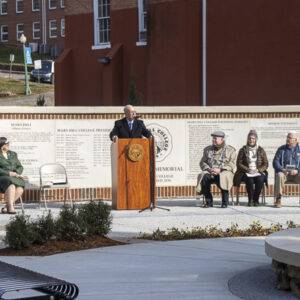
x=215 y=187
x=53 y=176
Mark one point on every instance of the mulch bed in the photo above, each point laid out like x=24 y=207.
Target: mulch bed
x=54 y=247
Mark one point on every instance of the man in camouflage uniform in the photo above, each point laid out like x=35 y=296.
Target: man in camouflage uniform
x=218 y=166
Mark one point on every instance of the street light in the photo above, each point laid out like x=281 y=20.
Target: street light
x=23 y=40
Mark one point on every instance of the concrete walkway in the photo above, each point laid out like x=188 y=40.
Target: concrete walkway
x=232 y=268
x=188 y=213
x=192 y=269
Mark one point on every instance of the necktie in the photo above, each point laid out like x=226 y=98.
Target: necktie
x=130 y=125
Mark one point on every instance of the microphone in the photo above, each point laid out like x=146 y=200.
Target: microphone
x=137 y=116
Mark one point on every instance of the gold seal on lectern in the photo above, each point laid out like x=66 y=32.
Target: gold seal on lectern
x=135 y=152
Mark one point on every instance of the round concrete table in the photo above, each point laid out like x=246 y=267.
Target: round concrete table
x=284 y=246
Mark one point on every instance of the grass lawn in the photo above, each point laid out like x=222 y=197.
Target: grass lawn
x=18 y=52
x=16 y=87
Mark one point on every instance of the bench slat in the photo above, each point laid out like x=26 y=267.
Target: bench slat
x=14 y=278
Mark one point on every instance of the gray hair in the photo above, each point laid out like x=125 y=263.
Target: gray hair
x=293 y=133
x=128 y=107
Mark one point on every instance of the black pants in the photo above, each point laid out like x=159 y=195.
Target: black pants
x=206 y=183
x=253 y=186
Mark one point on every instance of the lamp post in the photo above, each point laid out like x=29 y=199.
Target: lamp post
x=23 y=41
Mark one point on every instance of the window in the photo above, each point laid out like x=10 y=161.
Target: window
x=19 y=6
x=62 y=27
x=20 y=30
x=35 y=5
x=102 y=23
x=62 y=3
x=142 y=10
x=52 y=4
x=3 y=7
x=4 y=33
x=36 y=30
x=52 y=29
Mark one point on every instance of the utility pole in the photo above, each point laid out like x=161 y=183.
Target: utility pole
x=204 y=71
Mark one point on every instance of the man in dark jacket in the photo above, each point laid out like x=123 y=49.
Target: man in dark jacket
x=129 y=127
x=287 y=165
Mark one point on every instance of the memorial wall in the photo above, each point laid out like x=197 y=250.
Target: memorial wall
x=82 y=143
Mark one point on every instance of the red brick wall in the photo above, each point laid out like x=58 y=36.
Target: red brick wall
x=253 y=52
x=27 y=18
x=166 y=71
x=78 y=7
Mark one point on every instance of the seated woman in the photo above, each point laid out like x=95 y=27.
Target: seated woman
x=252 y=165
x=11 y=181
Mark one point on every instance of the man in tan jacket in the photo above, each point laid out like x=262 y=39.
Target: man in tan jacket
x=218 y=166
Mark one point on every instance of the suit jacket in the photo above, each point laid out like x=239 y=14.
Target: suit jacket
x=122 y=131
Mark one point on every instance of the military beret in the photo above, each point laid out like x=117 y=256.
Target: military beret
x=218 y=133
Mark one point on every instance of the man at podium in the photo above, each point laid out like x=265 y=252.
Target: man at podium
x=130 y=126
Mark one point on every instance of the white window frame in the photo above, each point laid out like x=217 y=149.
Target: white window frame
x=62 y=27
x=62 y=4
x=49 y=5
x=1 y=6
x=19 y=11
x=51 y=36
x=142 y=15
x=19 y=32
x=34 y=30
x=2 y=33
x=34 y=9
x=97 y=19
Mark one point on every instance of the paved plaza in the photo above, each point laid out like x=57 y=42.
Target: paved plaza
x=231 y=268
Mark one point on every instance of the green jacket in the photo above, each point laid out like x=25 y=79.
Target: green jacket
x=11 y=164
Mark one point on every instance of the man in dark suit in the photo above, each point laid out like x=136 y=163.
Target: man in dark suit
x=129 y=127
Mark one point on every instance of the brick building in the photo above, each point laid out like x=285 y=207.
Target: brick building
x=154 y=50
x=41 y=21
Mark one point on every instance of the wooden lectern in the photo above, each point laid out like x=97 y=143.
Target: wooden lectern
x=133 y=173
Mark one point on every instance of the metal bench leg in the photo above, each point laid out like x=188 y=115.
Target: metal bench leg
x=22 y=206
x=263 y=195
x=237 y=195
x=45 y=201
x=40 y=196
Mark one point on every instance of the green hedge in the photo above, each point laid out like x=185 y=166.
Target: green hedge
x=72 y=224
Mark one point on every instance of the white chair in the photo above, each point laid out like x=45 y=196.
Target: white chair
x=53 y=176
x=21 y=203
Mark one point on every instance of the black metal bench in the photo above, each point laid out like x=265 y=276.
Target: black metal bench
x=13 y=278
